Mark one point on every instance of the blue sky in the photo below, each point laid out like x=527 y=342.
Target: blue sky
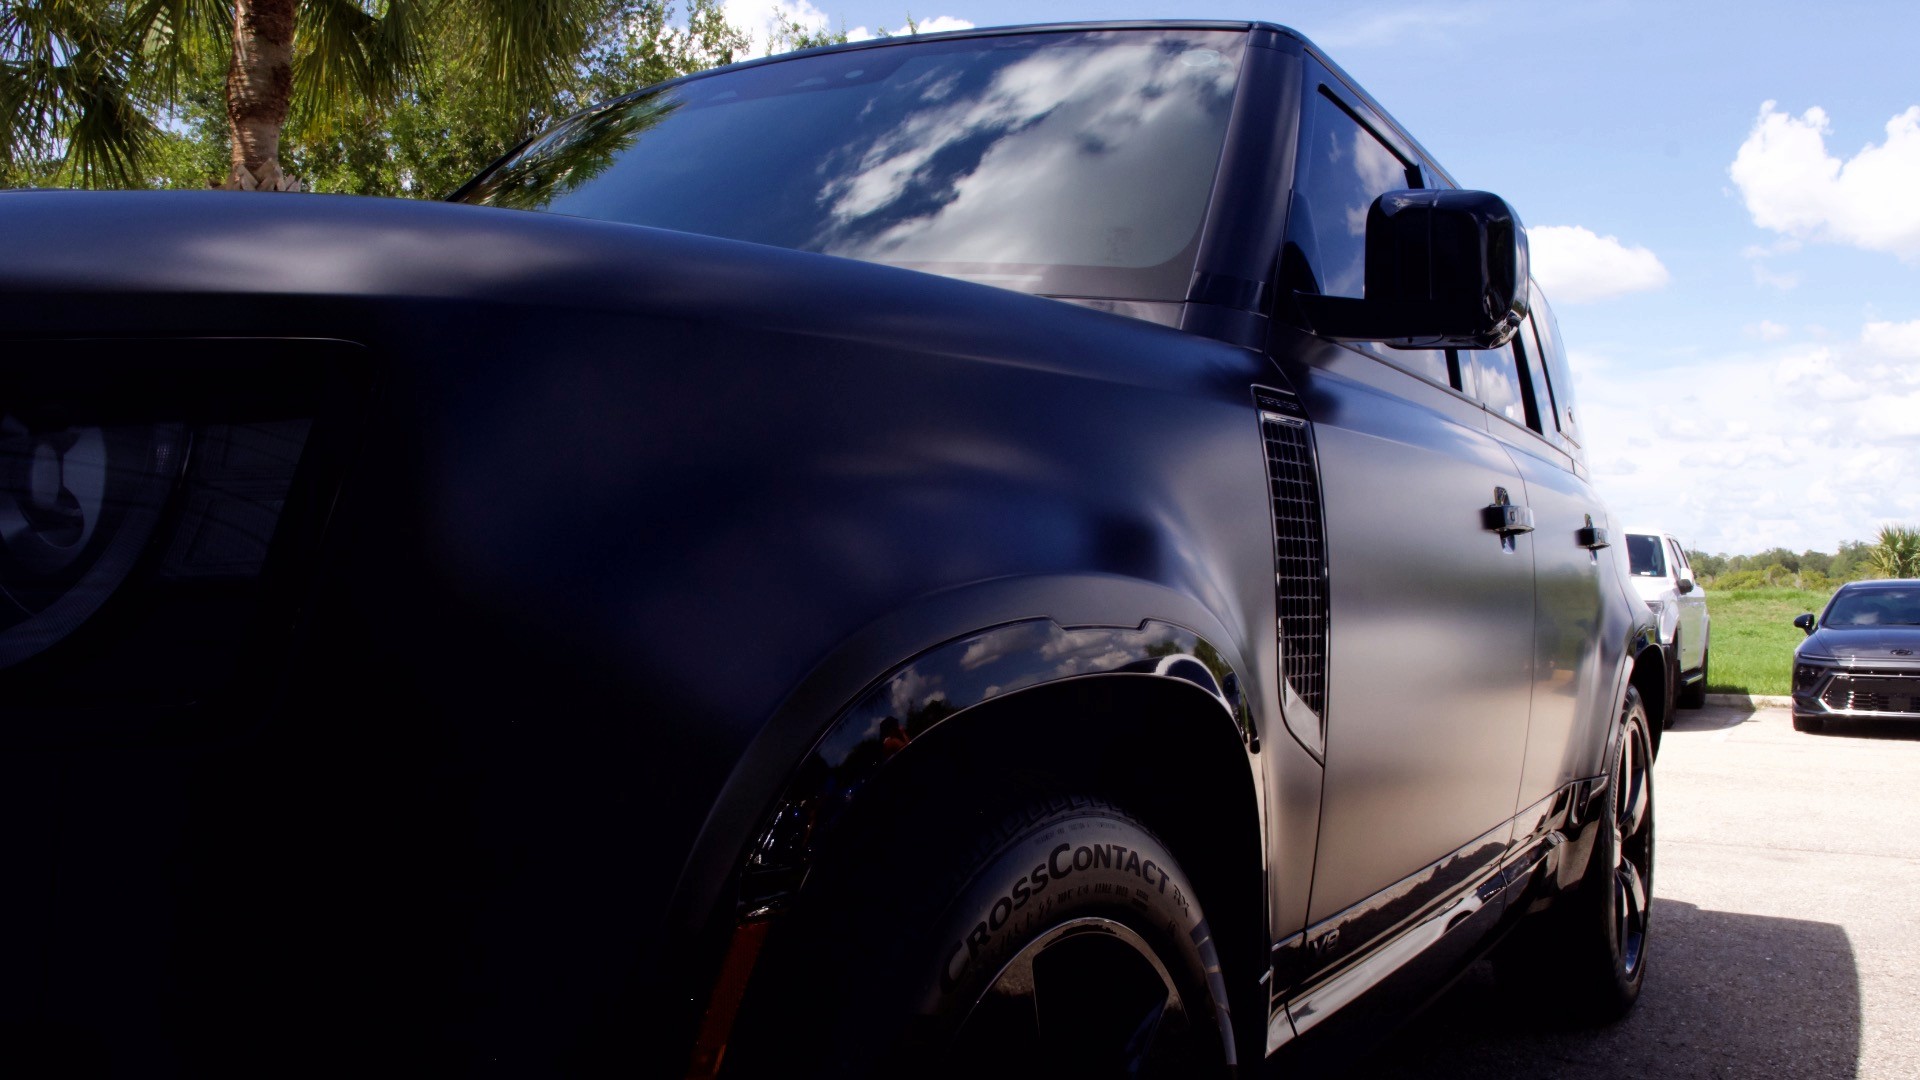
x=1743 y=306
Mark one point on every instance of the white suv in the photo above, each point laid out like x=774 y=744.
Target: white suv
x=1664 y=577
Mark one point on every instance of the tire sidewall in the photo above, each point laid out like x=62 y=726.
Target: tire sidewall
x=1084 y=864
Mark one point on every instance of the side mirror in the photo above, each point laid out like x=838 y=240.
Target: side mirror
x=1444 y=269
x=1804 y=622
x=1684 y=585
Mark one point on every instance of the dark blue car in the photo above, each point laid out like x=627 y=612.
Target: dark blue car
x=1861 y=658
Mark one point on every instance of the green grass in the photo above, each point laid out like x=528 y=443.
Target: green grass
x=1753 y=637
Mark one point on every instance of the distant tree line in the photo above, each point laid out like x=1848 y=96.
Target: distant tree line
x=1895 y=553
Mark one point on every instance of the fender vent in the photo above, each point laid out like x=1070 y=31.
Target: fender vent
x=1299 y=552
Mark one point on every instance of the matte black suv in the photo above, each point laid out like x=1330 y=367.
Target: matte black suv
x=1063 y=548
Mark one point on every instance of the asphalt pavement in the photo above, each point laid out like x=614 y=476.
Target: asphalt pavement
x=1785 y=931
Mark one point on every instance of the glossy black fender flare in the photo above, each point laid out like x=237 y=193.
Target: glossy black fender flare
x=940 y=686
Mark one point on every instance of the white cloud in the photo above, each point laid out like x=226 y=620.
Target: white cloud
x=1780 y=281
x=1768 y=330
x=763 y=21
x=939 y=24
x=1791 y=185
x=1575 y=266
x=1899 y=341
x=1801 y=446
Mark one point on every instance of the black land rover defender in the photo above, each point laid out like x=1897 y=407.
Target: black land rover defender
x=1054 y=549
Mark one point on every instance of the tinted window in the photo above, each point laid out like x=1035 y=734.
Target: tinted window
x=1496 y=381
x=1874 y=607
x=1343 y=168
x=1645 y=557
x=1069 y=164
x=1429 y=362
x=1548 y=329
x=1539 y=401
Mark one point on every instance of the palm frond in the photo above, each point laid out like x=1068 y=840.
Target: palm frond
x=526 y=47
x=332 y=66
x=177 y=38
x=68 y=90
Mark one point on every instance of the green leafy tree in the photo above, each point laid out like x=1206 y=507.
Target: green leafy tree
x=434 y=137
x=1850 y=561
x=787 y=34
x=1705 y=566
x=1896 y=552
x=1816 y=560
x=90 y=89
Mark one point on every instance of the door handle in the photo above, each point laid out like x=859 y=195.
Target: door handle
x=1506 y=518
x=1593 y=537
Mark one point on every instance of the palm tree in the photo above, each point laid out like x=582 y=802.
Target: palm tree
x=82 y=82
x=1897 y=553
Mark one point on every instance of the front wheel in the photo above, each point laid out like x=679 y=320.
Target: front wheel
x=1586 y=958
x=1064 y=941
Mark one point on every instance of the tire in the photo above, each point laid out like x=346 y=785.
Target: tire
x=1584 y=960
x=1810 y=724
x=1694 y=694
x=1066 y=940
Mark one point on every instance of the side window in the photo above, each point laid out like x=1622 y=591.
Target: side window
x=1533 y=379
x=1429 y=362
x=1561 y=378
x=1680 y=567
x=1496 y=381
x=1343 y=168
x=1643 y=556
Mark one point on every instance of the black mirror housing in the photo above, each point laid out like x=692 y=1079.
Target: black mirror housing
x=1684 y=585
x=1804 y=622
x=1445 y=269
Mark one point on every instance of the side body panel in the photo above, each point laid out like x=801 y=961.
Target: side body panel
x=1577 y=620
x=635 y=516
x=1430 y=669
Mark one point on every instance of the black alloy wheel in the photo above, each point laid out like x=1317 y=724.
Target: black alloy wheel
x=1631 y=851
x=1584 y=959
x=1089 y=997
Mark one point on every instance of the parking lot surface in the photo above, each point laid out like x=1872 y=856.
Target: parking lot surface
x=1786 y=922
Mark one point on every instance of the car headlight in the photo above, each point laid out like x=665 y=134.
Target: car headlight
x=1807 y=676
x=78 y=506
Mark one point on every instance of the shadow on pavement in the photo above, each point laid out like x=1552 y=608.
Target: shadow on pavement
x=1727 y=995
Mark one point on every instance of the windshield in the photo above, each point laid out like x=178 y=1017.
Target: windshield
x=1067 y=164
x=1874 y=607
x=1643 y=555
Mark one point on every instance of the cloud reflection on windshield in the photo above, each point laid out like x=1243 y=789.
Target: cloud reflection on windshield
x=940 y=185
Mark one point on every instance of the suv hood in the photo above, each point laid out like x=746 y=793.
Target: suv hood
x=1865 y=643
x=232 y=264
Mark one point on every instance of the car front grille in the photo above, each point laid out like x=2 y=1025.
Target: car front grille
x=1873 y=692
x=1300 y=567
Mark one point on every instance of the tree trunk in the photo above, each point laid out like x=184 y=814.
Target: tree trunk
x=259 y=89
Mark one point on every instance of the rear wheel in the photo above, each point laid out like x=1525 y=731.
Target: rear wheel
x=1064 y=940
x=1586 y=958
